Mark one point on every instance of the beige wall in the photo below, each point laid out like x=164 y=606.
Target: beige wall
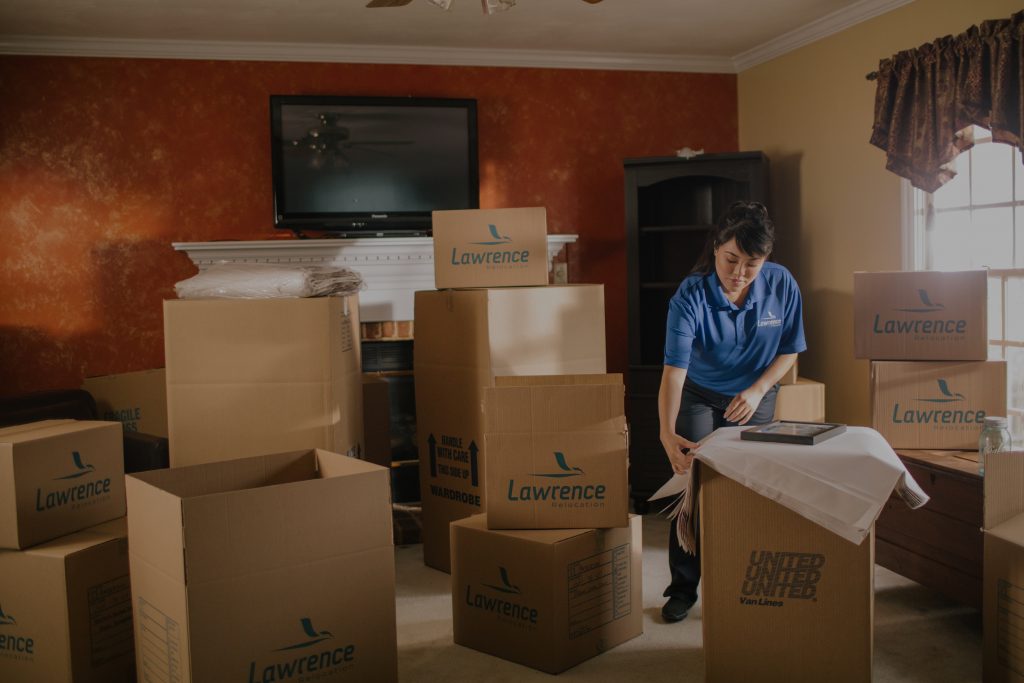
x=836 y=208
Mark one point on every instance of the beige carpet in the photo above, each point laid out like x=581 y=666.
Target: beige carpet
x=919 y=636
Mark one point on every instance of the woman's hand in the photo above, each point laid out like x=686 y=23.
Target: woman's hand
x=743 y=405
x=675 y=448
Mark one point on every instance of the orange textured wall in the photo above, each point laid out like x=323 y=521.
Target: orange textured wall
x=105 y=162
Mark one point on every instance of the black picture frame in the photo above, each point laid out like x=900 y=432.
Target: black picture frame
x=793 y=431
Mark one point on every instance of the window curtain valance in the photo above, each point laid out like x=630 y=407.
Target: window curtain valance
x=927 y=99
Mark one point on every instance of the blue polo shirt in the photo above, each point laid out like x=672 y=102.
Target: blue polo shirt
x=726 y=348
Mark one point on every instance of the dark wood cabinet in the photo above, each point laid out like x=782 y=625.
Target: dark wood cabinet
x=671 y=205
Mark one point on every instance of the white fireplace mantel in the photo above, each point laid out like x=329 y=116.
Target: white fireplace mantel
x=392 y=267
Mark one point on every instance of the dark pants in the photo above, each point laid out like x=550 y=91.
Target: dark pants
x=700 y=413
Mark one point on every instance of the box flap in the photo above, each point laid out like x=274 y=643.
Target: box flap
x=555 y=408
x=49 y=428
x=557 y=380
x=41 y=424
x=1003 y=488
x=65 y=546
x=154 y=526
x=541 y=536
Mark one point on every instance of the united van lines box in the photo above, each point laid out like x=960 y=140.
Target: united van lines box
x=794 y=598
x=57 y=477
x=548 y=599
x=66 y=609
x=557 y=452
x=490 y=247
x=803 y=401
x=250 y=376
x=920 y=315
x=1003 y=579
x=272 y=568
x=936 y=405
x=464 y=338
x=138 y=400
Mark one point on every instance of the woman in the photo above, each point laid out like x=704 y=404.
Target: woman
x=734 y=329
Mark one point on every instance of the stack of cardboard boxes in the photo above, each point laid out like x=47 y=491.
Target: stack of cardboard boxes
x=65 y=605
x=517 y=419
x=926 y=334
x=263 y=553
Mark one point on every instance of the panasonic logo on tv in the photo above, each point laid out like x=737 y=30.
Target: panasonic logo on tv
x=306 y=658
x=75 y=494
x=492 y=256
x=944 y=413
x=556 y=492
x=930 y=326
x=506 y=604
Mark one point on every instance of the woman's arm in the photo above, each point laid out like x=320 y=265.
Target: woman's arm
x=743 y=405
x=669 y=397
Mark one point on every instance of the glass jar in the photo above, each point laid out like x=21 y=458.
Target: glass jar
x=995 y=438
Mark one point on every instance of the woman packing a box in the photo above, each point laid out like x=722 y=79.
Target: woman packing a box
x=734 y=329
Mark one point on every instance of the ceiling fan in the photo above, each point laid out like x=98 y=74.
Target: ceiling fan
x=490 y=6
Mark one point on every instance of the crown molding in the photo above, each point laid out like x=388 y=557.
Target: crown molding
x=828 y=25
x=354 y=54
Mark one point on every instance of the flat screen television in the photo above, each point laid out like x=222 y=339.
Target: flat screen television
x=371 y=166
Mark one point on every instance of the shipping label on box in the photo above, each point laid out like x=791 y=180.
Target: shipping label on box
x=940 y=405
x=464 y=338
x=59 y=476
x=490 y=248
x=251 y=376
x=921 y=315
x=65 y=609
x=557 y=452
x=138 y=400
x=548 y=599
x=275 y=584
x=773 y=582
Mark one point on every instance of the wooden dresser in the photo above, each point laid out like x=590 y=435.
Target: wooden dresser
x=940 y=544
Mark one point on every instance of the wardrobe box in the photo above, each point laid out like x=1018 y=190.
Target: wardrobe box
x=251 y=376
x=464 y=339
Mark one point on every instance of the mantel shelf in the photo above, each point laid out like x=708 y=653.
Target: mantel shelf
x=393 y=268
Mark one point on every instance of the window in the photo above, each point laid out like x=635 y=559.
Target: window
x=977 y=221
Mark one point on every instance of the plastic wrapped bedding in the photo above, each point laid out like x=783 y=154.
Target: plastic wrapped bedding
x=268 y=281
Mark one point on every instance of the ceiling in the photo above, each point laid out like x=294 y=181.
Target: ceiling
x=670 y=35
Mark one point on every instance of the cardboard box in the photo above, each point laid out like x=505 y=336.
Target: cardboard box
x=376 y=419
x=920 y=315
x=138 y=400
x=251 y=376
x=278 y=567
x=490 y=248
x=1003 y=580
x=803 y=401
x=557 y=452
x=67 y=611
x=791 y=376
x=58 y=477
x=547 y=599
x=936 y=405
x=464 y=338
x=781 y=595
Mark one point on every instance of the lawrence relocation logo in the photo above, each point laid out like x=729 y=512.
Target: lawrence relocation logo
x=508 y=606
x=496 y=251
x=929 y=328
x=12 y=645
x=943 y=414
x=77 y=495
x=769 y=320
x=773 y=577
x=560 y=495
x=305 y=661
